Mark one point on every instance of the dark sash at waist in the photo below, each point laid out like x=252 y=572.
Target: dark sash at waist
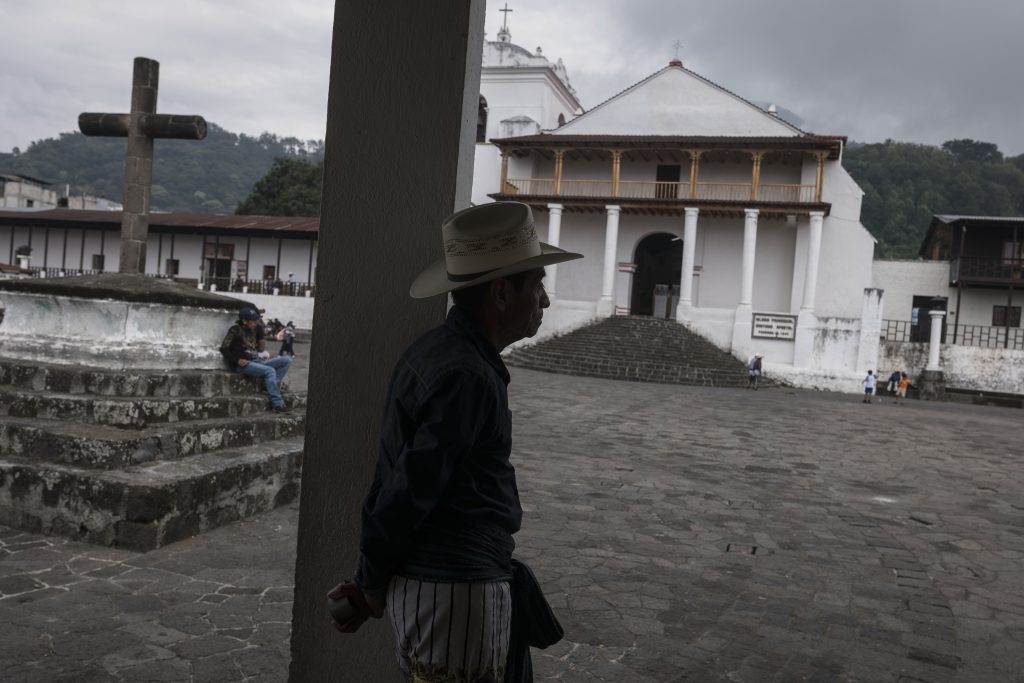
x=447 y=552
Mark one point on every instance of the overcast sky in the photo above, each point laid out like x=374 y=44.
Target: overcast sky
x=912 y=70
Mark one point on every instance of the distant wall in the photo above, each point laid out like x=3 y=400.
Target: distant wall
x=964 y=367
x=298 y=309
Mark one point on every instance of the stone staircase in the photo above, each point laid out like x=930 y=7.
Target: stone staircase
x=140 y=459
x=634 y=348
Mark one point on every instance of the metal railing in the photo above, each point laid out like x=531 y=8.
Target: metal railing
x=271 y=287
x=653 y=189
x=40 y=271
x=983 y=336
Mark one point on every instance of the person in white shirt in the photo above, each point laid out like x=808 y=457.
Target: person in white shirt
x=869 y=385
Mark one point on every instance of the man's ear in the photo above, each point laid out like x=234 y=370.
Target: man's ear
x=499 y=291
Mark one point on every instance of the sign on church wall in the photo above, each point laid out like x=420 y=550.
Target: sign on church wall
x=772 y=326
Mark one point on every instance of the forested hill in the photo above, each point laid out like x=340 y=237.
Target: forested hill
x=205 y=176
x=904 y=184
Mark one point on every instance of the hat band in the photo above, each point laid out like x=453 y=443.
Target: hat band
x=468 y=276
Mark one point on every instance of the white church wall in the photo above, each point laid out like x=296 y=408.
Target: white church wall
x=582 y=233
x=715 y=325
x=976 y=304
x=774 y=173
x=847 y=249
x=773 y=266
x=486 y=172
x=800 y=240
x=720 y=243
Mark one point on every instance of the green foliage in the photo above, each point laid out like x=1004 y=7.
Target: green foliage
x=905 y=183
x=290 y=188
x=206 y=176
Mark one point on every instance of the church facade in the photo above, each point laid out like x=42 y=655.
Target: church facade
x=690 y=202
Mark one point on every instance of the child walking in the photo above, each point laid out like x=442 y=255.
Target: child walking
x=901 y=390
x=869 y=385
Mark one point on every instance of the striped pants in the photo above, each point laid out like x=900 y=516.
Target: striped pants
x=450 y=632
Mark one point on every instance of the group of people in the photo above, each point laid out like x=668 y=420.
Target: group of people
x=898 y=384
x=244 y=350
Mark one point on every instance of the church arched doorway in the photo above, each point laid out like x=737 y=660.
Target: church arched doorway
x=659 y=261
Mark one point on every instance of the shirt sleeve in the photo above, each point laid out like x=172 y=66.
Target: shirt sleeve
x=409 y=484
x=227 y=347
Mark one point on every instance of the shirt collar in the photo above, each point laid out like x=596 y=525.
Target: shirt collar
x=460 y=322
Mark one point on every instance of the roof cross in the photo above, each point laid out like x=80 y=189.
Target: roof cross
x=504 y=20
x=678 y=46
x=142 y=126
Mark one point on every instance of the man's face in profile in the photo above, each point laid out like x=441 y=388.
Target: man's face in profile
x=526 y=306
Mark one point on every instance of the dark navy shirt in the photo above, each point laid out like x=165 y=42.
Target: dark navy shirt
x=444 y=503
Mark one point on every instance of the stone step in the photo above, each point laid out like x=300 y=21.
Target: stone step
x=132 y=412
x=103 y=447
x=148 y=506
x=634 y=348
x=68 y=379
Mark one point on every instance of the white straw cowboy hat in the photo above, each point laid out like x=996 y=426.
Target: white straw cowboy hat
x=483 y=243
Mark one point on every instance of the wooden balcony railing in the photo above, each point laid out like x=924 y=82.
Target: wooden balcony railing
x=650 y=189
x=986 y=269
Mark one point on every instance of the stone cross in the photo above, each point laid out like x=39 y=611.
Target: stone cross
x=142 y=126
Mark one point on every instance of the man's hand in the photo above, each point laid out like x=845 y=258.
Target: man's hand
x=242 y=362
x=364 y=606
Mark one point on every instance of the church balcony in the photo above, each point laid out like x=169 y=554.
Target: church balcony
x=682 y=191
x=986 y=271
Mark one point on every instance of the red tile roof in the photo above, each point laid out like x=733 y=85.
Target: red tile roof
x=194 y=221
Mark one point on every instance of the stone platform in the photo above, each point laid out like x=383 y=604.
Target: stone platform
x=113 y=321
x=139 y=459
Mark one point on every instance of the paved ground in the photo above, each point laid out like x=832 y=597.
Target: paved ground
x=681 y=533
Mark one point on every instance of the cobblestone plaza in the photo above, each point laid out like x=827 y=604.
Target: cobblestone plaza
x=681 y=533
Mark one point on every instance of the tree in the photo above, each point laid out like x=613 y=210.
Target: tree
x=964 y=150
x=290 y=188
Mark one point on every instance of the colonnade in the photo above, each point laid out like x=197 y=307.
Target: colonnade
x=606 y=303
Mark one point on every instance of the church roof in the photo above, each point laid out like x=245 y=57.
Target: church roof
x=831 y=143
x=212 y=223
x=675 y=101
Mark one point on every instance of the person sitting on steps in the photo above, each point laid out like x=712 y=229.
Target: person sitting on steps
x=242 y=350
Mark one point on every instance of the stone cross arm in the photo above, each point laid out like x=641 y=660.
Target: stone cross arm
x=163 y=126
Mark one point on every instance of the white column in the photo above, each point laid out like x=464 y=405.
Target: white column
x=554 y=234
x=813 y=255
x=749 y=246
x=935 y=341
x=743 y=322
x=689 y=246
x=606 y=304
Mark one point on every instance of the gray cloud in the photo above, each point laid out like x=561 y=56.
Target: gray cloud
x=916 y=70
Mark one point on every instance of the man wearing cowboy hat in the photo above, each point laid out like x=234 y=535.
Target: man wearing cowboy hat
x=436 y=545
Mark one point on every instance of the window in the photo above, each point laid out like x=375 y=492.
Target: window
x=561 y=119
x=999 y=316
x=30 y=203
x=481 y=121
x=171 y=266
x=269 y=272
x=97 y=261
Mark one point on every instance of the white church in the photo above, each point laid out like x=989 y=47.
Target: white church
x=688 y=202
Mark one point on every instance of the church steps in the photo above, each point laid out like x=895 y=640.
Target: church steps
x=636 y=349
x=104 y=447
x=132 y=412
x=78 y=380
x=149 y=505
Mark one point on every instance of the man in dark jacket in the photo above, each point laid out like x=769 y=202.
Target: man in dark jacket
x=436 y=546
x=242 y=348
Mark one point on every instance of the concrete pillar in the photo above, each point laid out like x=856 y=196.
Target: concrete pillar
x=690 y=214
x=749 y=247
x=870 y=330
x=554 y=235
x=744 y=320
x=606 y=304
x=433 y=58
x=935 y=341
x=813 y=256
